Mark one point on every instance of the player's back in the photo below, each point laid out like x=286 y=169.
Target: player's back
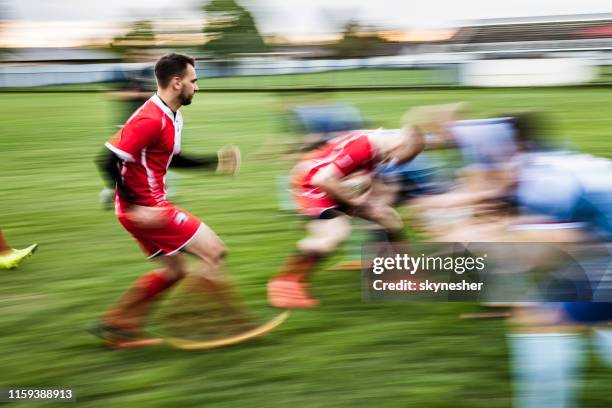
x=348 y=153
x=336 y=146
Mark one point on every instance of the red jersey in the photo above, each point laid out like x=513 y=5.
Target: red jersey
x=146 y=144
x=349 y=153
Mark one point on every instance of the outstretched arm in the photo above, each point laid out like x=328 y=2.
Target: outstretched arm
x=226 y=161
x=183 y=161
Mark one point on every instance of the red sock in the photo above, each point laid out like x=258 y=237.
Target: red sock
x=153 y=283
x=131 y=310
x=4 y=247
x=298 y=267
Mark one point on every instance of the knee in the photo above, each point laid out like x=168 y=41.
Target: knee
x=316 y=247
x=222 y=253
x=325 y=236
x=218 y=253
x=319 y=245
x=174 y=274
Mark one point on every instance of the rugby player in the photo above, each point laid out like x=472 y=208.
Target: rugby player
x=321 y=195
x=135 y=164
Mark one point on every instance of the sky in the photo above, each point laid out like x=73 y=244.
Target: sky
x=87 y=19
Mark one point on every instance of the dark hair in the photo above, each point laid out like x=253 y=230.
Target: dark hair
x=531 y=128
x=171 y=65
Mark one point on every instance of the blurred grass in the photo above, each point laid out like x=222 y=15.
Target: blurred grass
x=338 y=79
x=344 y=353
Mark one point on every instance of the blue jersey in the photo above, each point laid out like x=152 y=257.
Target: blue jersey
x=485 y=143
x=572 y=187
x=567 y=187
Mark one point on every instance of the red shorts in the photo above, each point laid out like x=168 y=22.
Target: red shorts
x=310 y=201
x=169 y=239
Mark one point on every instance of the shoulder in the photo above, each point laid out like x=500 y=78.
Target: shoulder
x=350 y=140
x=148 y=117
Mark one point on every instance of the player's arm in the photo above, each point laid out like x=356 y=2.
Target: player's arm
x=412 y=146
x=126 y=146
x=183 y=161
x=329 y=179
x=108 y=163
x=435 y=123
x=226 y=161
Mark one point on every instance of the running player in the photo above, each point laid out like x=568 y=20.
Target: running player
x=321 y=195
x=136 y=162
x=11 y=258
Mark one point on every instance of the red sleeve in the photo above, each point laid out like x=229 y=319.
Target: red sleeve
x=356 y=155
x=136 y=135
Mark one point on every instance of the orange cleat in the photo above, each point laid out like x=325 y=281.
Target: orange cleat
x=288 y=294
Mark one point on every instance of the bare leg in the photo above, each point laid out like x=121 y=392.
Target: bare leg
x=210 y=276
x=289 y=288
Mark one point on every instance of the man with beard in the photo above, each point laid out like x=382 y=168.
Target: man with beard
x=136 y=163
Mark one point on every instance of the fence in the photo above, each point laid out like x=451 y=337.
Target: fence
x=372 y=73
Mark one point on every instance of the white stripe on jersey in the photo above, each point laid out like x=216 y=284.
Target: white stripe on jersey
x=120 y=153
x=178 y=128
x=153 y=186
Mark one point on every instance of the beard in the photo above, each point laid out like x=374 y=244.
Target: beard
x=185 y=99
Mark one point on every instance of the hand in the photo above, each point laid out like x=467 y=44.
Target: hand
x=107 y=198
x=148 y=217
x=229 y=160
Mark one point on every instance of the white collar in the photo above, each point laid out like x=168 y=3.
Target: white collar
x=158 y=101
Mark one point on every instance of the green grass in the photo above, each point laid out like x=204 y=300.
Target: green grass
x=330 y=79
x=338 y=79
x=344 y=353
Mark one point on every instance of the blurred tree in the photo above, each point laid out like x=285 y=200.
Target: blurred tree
x=140 y=35
x=232 y=29
x=358 y=41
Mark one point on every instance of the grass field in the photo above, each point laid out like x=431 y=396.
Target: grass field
x=344 y=353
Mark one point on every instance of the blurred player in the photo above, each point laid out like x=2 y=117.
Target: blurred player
x=322 y=195
x=561 y=197
x=557 y=197
x=136 y=162
x=138 y=83
x=490 y=149
x=11 y=258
